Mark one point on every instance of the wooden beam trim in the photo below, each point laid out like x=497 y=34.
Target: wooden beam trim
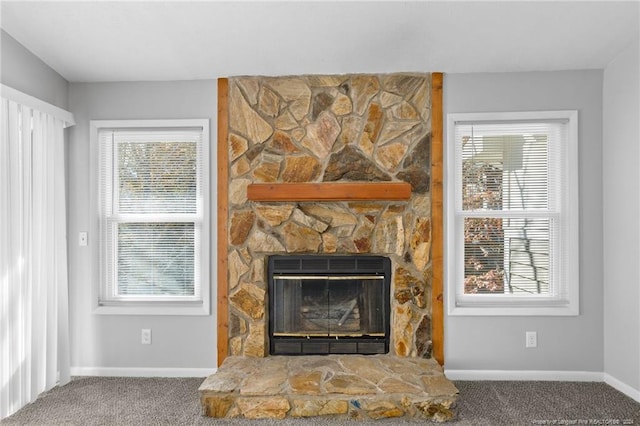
x=329 y=191
x=437 y=219
x=223 y=215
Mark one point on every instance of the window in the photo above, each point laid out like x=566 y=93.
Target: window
x=153 y=214
x=512 y=213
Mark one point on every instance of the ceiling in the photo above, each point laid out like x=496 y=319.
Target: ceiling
x=91 y=41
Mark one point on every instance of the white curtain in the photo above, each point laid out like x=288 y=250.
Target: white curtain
x=34 y=329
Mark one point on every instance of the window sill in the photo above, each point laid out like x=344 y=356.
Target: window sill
x=523 y=308
x=152 y=308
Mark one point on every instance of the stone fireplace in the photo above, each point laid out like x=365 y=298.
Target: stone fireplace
x=330 y=129
x=316 y=170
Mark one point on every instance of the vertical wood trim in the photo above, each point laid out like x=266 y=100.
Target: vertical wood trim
x=223 y=214
x=437 y=231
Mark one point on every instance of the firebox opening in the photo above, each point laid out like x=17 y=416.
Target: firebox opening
x=329 y=304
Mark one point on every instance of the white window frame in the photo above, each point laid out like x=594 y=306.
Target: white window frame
x=564 y=298
x=199 y=306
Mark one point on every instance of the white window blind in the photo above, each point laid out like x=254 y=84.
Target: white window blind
x=152 y=214
x=513 y=179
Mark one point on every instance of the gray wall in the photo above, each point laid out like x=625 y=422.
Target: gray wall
x=564 y=343
x=113 y=341
x=621 y=187
x=24 y=71
x=472 y=343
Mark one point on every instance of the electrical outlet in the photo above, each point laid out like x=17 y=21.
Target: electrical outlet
x=146 y=336
x=531 y=339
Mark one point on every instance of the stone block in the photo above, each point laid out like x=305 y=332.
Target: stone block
x=241 y=223
x=281 y=143
x=235 y=345
x=437 y=411
x=237 y=146
x=240 y=167
x=237 y=268
x=286 y=121
x=342 y=105
x=321 y=102
x=274 y=407
x=404 y=111
x=238 y=191
x=260 y=242
x=439 y=386
x=393 y=385
x=349 y=384
x=274 y=214
x=295 y=92
x=393 y=129
x=363 y=89
x=300 y=169
x=306 y=382
x=255 y=345
x=299 y=238
x=250 y=86
x=351 y=164
x=217 y=406
x=310 y=221
x=264 y=384
x=374 y=123
x=268 y=170
x=318 y=407
x=321 y=135
x=389 y=156
x=268 y=102
x=223 y=381
x=245 y=120
x=381 y=409
x=366 y=368
x=250 y=300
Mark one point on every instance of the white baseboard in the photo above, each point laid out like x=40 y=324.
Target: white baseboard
x=141 y=372
x=622 y=387
x=489 y=375
x=565 y=376
x=568 y=376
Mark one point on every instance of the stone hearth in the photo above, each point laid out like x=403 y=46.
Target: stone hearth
x=351 y=386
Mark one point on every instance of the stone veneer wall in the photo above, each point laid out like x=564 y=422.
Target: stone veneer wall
x=330 y=128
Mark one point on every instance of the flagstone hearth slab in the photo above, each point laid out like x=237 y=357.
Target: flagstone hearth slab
x=353 y=386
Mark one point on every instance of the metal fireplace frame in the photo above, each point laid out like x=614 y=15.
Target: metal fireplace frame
x=323 y=266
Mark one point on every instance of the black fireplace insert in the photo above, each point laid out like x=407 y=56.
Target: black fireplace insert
x=328 y=304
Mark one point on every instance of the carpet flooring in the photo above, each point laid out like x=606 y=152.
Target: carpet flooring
x=175 y=401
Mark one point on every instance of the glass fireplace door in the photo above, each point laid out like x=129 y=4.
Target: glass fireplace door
x=328 y=306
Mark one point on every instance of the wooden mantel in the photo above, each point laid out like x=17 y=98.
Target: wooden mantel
x=329 y=191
